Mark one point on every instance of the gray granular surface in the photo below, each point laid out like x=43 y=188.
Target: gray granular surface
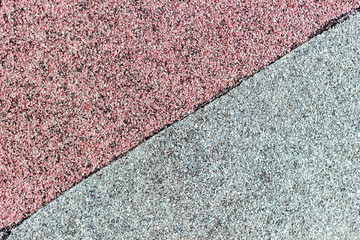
x=275 y=158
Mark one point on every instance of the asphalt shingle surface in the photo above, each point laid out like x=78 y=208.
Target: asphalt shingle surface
x=276 y=157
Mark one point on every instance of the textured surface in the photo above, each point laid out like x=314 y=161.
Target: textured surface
x=276 y=157
x=84 y=81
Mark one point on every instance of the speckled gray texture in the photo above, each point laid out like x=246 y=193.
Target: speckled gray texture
x=275 y=158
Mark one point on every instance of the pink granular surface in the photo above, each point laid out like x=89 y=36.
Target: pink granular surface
x=84 y=81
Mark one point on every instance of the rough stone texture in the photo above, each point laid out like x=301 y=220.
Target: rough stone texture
x=275 y=158
x=84 y=81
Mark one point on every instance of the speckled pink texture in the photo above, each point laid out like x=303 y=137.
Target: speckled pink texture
x=84 y=81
